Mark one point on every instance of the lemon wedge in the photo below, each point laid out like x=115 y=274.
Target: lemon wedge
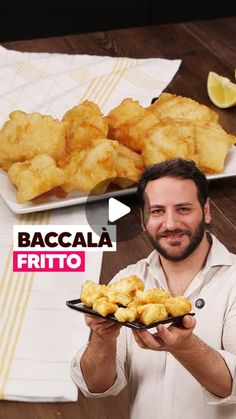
x=221 y=90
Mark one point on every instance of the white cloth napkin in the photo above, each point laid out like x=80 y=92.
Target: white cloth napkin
x=52 y=83
x=39 y=334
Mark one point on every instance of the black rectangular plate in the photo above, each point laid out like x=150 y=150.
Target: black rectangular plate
x=77 y=305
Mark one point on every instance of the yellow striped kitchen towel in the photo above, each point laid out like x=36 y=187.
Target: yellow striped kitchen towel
x=53 y=83
x=39 y=334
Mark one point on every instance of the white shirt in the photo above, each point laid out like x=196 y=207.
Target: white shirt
x=161 y=388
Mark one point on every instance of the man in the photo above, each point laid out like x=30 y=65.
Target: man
x=186 y=372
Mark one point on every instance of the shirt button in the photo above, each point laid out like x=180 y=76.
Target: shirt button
x=199 y=303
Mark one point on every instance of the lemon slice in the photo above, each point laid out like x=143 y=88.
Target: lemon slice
x=221 y=90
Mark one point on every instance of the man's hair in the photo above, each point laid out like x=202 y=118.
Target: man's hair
x=177 y=168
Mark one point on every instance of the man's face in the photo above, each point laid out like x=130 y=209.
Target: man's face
x=173 y=217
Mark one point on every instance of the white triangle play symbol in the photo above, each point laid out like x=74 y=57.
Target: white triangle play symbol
x=116 y=209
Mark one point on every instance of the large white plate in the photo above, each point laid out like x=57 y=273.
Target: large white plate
x=8 y=191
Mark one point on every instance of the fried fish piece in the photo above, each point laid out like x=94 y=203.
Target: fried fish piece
x=148 y=306
x=180 y=107
x=167 y=139
x=125 y=314
x=151 y=313
x=128 y=121
x=153 y=295
x=133 y=306
x=178 y=306
x=117 y=297
x=126 y=110
x=173 y=126
x=85 y=122
x=136 y=281
x=128 y=165
x=132 y=132
x=128 y=285
x=123 y=290
x=195 y=132
x=90 y=292
x=25 y=135
x=35 y=177
x=170 y=138
x=91 y=167
x=212 y=145
x=104 y=307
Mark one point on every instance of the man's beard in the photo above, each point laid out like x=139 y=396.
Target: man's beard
x=194 y=237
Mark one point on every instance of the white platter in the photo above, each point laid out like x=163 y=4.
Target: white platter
x=47 y=202
x=78 y=197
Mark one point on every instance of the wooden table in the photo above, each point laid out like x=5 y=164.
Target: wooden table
x=203 y=46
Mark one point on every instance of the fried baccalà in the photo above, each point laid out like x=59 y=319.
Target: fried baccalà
x=104 y=307
x=35 y=177
x=84 y=123
x=94 y=150
x=191 y=140
x=167 y=139
x=198 y=126
x=24 y=136
x=128 y=166
x=125 y=315
x=178 y=306
x=95 y=165
x=125 y=111
x=151 y=313
x=153 y=295
x=128 y=123
x=117 y=297
x=174 y=126
x=180 y=107
x=127 y=300
x=91 y=292
x=128 y=285
x=211 y=137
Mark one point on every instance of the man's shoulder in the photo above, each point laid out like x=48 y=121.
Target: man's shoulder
x=221 y=254
x=139 y=268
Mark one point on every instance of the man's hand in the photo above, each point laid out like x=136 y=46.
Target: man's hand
x=98 y=362
x=202 y=361
x=167 y=338
x=105 y=330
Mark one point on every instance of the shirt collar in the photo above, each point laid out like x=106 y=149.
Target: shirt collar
x=218 y=255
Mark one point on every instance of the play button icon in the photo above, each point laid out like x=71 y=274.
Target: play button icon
x=104 y=209
x=116 y=209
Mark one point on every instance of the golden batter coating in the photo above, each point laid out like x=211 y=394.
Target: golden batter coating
x=153 y=295
x=178 y=306
x=128 y=285
x=91 y=292
x=104 y=307
x=95 y=165
x=35 y=177
x=133 y=306
x=84 y=123
x=128 y=165
x=176 y=107
x=137 y=281
x=151 y=313
x=25 y=135
x=117 y=297
x=125 y=315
